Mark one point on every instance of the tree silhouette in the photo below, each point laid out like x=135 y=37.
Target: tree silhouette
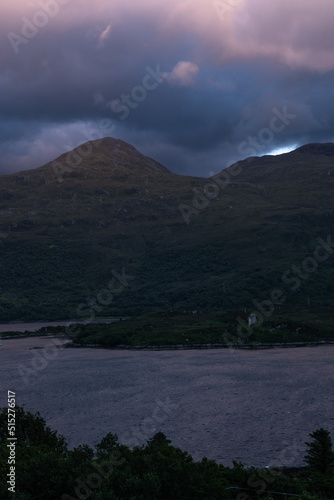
x=320 y=455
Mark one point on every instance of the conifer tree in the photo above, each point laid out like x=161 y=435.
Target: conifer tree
x=320 y=454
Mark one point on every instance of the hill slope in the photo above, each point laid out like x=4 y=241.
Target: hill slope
x=69 y=227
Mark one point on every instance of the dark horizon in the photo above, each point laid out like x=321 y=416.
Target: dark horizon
x=186 y=174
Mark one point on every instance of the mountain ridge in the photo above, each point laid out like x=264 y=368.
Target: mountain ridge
x=111 y=148
x=66 y=236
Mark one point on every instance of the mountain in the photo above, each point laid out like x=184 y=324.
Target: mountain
x=104 y=211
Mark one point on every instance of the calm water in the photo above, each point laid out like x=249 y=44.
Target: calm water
x=254 y=406
x=32 y=327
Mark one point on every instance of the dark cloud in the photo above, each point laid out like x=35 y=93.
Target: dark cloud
x=223 y=80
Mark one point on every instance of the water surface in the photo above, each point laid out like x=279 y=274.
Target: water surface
x=32 y=327
x=254 y=406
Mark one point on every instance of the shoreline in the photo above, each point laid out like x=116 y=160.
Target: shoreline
x=24 y=327
x=287 y=345
x=121 y=347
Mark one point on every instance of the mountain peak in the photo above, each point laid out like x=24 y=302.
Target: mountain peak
x=116 y=153
x=326 y=149
x=107 y=156
x=308 y=164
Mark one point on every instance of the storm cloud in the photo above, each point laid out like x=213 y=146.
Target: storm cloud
x=196 y=85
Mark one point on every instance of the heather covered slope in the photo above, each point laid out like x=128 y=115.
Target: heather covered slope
x=69 y=225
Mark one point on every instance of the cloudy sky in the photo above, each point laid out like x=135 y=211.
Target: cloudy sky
x=195 y=84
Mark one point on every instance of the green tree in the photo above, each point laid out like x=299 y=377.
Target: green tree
x=320 y=455
x=40 y=458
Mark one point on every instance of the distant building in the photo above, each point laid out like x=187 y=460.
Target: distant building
x=252 y=319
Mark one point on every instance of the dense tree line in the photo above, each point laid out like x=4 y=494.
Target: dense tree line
x=45 y=469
